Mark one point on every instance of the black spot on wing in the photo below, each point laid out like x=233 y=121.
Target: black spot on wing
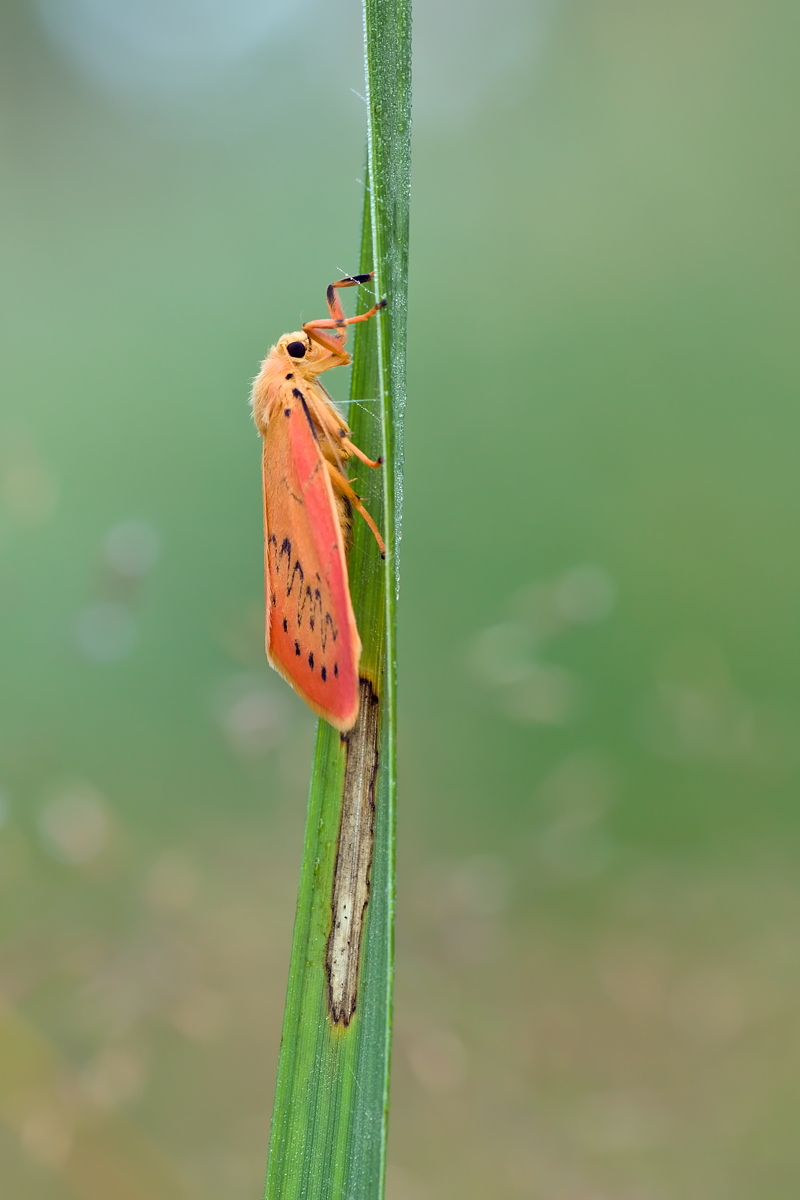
x=298 y=395
x=311 y=608
x=284 y=552
x=297 y=571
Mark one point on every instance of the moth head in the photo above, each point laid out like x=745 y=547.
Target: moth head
x=298 y=352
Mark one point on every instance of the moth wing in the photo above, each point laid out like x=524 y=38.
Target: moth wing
x=312 y=639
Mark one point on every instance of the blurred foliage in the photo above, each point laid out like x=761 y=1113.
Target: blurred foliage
x=597 y=968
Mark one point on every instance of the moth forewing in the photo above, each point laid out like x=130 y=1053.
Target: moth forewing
x=311 y=632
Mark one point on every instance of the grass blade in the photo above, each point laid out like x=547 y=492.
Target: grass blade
x=328 y=1138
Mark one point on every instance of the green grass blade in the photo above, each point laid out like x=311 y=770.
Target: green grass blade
x=328 y=1138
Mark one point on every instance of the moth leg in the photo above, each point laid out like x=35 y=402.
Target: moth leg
x=334 y=303
x=337 y=322
x=341 y=484
x=334 y=342
x=351 y=448
x=359 y=507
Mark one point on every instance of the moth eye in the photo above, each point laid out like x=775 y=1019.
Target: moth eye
x=296 y=349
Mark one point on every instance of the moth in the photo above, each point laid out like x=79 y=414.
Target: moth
x=311 y=634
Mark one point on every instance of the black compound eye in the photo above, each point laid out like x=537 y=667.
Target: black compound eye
x=296 y=349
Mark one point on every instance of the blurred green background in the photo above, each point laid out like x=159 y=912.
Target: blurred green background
x=599 y=911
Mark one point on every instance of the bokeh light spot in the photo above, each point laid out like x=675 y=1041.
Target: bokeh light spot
x=46 y=1136
x=131 y=548
x=172 y=883
x=438 y=1059
x=28 y=488
x=252 y=715
x=620 y=1121
x=117 y=1075
x=74 y=825
x=106 y=631
x=585 y=595
x=481 y=884
x=202 y=1015
x=500 y=654
x=159 y=46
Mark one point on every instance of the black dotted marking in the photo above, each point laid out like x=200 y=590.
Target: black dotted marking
x=285 y=626
x=324 y=674
x=311 y=661
x=290 y=375
x=336 y=670
x=296 y=570
x=316 y=604
x=297 y=648
x=287 y=412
